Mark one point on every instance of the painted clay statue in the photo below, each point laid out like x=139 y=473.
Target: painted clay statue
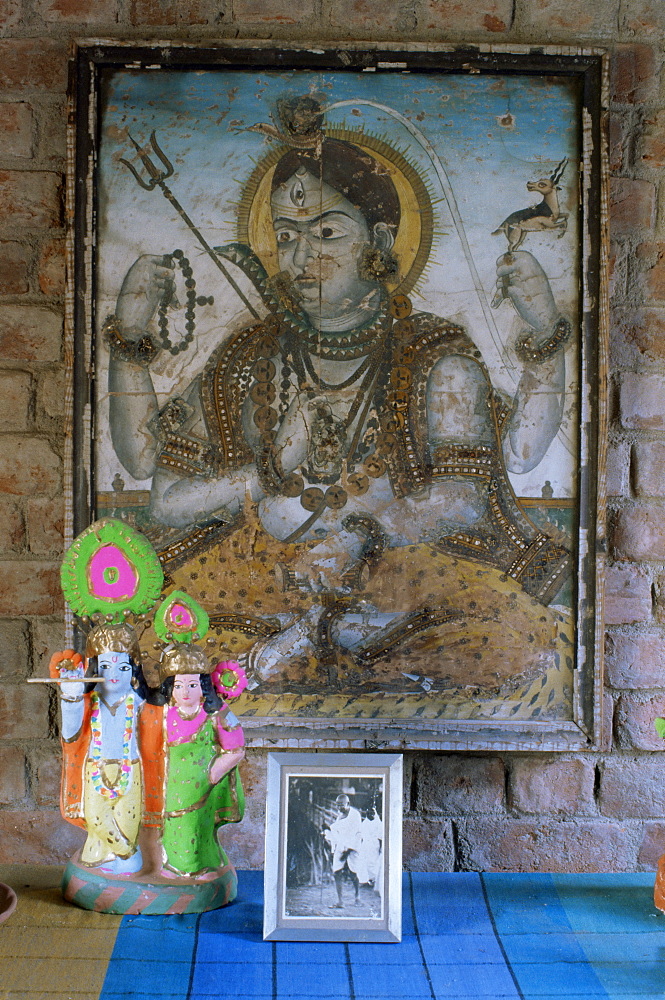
x=204 y=744
x=149 y=773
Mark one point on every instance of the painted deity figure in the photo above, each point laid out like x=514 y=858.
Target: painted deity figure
x=365 y=435
x=105 y=733
x=204 y=743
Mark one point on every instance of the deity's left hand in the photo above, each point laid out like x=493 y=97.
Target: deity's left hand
x=224 y=763
x=68 y=665
x=521 y=279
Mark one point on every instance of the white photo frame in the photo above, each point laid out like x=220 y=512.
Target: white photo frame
x=333 y=859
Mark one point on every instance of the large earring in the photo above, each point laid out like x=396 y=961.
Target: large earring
x=377 y=264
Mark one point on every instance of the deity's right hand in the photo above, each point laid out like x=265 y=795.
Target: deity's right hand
x=292 y=442
x=146 y=283
x=68 y=664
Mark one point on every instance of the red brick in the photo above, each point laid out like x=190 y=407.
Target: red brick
x=14 y=264
x=649 y=468
x=16 y=126
x=51 y=268
x=607 y=728
x=651 y=144
x=245 y=841
x=12 y=775
x=23 y=711
x=641 y=401
x=30 y=333
x=370 y=14
x=619 y=134
x=51 y=393
x=30 y=588
x=87 y=11
x=48 y=637
x=617 y=272
x=458 y=784
x=13 y=527
x=635 y=661
x=639 y=533
x=659 y=590
x=618 y=468
x=46 y=788
x=633 y=787
x=634 y=721
x=459 y=16
x=28 y=466
x=37 y=837
x=52 y=131
x=172 y=13
x=428 y=845
x=652 y=847
x=632 y=206
x=11 y=13
x=30 y=198
x=16 y=396
x=15 y=645
x=33 y=64
x=627 y=595
x=44 y=519
x=508 y=845
x=637 y=335
x=561 y=18
x=271 y=12
x=652 y=275
x=643 y=17
x=555 y=786
x=633 y=74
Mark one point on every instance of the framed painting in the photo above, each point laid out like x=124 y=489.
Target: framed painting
x=333 y=869
x=339 y=327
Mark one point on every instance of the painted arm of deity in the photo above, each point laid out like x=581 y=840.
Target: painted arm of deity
x=232 y=745
x=539 y=400
x=132 y=401
x=178 y=501
x=64 y=665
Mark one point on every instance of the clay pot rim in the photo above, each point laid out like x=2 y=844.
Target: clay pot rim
x=8 y=901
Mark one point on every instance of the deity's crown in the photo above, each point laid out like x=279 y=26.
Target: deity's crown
x=183 y=658
x=109 y=638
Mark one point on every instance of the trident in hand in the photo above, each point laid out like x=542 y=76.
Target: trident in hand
x=158 y=176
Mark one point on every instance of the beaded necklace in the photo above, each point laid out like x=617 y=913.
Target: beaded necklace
x=96 y=749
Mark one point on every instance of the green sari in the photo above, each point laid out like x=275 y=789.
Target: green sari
x=195 y=809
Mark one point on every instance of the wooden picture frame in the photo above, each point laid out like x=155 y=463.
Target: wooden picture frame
x=333 y=868
x=381 y=476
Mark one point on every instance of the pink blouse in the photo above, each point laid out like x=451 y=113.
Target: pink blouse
x=179 y=730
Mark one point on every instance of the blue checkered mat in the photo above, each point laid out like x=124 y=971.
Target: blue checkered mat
x=465 y=937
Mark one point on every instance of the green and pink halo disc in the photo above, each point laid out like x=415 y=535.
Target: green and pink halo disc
x=111 y=569
x=180 y=617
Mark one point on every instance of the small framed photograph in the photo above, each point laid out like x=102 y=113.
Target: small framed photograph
x=333 y=868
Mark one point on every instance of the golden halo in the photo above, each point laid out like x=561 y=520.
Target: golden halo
x=413 y=241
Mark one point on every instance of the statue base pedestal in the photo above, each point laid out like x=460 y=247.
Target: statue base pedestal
x=94 y=889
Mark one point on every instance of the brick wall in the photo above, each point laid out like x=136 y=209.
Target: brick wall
x=600 y=811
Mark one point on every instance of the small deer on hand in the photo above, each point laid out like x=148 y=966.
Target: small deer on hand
x=537 y=218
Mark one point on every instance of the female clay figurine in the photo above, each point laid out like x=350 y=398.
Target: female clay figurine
x=204 y=743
